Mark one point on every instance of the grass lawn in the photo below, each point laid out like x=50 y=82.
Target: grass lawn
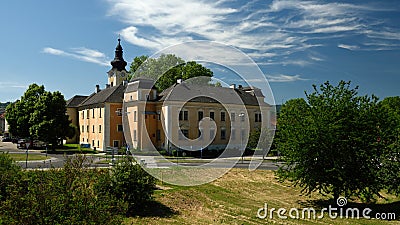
x=73 y=149
x=31 y=157
x=236 y=197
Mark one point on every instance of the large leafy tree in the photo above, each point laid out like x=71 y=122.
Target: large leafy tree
x=41 y=115
x=173 y=67
x=390 y=172
x=19 y=113
x=332 y=142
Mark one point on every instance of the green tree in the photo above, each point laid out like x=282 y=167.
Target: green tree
x=19 y=113
x=49 y=120
x=41 y=115
x=175 y=67
x=330 y=143
x=390 y=163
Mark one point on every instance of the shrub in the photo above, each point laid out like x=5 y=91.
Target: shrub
x=67 y=196
x=132 y=184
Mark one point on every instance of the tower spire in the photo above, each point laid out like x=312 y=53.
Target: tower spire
x=119 y=62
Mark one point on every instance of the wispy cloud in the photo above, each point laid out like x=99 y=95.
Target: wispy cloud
x=4 y=85
x=284 y=78
x=265 y=30
x=349 y=47
x=82 y=54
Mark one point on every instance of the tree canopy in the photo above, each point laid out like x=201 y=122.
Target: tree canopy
x=335 y=142
x=40 y=115
x=175 y=67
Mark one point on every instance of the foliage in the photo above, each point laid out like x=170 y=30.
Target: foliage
x=390 y=171
x=41 y=115
x=333 y=142
x=174 y=68
x=10 y=174
x=254 y=136
x=132 y=184
x=67 y=196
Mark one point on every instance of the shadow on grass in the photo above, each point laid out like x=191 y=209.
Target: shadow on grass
x=154 y=209
x=390 y=210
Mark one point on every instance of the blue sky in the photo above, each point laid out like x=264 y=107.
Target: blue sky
x=67 y=45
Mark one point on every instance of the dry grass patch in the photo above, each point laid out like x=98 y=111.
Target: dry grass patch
x=235 y=199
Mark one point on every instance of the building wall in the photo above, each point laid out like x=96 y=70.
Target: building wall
x=115 y=121
x=159 y=118
x=91 y=125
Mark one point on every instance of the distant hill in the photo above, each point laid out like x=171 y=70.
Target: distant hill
x=3 y=106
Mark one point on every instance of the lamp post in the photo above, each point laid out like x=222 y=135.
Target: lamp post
x=241 y=115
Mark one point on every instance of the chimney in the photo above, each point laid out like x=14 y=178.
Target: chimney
x=233 y=86
x=125 y=82
x=97 y=90
x=107 y=85
x=240 y=87
x=179 y=81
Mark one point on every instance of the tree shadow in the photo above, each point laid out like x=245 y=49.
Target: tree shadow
x=386 y=211
x=154 y=209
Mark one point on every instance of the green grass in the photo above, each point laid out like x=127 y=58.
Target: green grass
x=73 y=149
x=236 y=197
x=31 y=157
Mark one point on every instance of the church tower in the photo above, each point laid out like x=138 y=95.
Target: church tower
x=118 y=73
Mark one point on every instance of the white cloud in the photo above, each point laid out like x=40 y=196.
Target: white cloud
x=284 y=78
x=82 y=54
x=349 y=47
x=262 y=29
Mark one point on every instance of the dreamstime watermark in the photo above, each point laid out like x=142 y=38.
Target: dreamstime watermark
x=332 y=212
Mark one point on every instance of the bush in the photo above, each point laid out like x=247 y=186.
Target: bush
x=10 y=174
x=132 y=184
x=68 y=196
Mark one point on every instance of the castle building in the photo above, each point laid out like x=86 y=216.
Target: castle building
x=153 y=119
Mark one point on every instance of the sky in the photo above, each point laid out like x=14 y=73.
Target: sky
x=67 y=45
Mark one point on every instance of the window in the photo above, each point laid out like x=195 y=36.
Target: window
x=223 y=134
x=92 y=143
x=83 y=114
x=185 y=133
x=93 y=113
x=200 y=115
x=233 y=117
x=233 y=134
x=99 y=112
x=158 y=135
x=158 y=115
x=134 y=135
x=83 y=139
x=258 y=117
x=119 y=112
x=99 y=128
x=83 y=129
x=212 y=115
x=222 y=116
x=87 y=128
x=184 y=115
x=134 y=116
x=120 y=128
x=116 y=144
x=93 y=129
x=145 y=117
x=212 y=134
x=241 y=115
x=98 y=143
x=199 y=136
x=87 y=114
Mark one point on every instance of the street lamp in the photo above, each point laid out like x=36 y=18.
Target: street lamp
x=241 y=115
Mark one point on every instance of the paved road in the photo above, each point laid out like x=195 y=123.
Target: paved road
x=58 y=160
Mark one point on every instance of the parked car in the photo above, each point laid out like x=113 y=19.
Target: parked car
x=6 y=139
x=21 y=143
